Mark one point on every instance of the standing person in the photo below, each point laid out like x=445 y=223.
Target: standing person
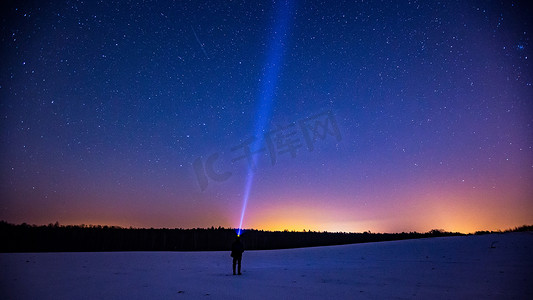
x=236 y=252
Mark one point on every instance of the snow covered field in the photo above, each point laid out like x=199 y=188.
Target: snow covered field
x=470 y=267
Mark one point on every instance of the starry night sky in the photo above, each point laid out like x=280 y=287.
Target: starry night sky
x=140 y=113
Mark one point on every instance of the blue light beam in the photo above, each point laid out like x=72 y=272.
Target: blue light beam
x=284 y=10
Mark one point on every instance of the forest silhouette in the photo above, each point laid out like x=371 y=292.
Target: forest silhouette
x=59 y=238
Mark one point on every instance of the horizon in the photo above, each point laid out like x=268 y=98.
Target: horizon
x=243 y=230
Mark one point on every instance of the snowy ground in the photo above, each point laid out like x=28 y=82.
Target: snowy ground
x=440 y=268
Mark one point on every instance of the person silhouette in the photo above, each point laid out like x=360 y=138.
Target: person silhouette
x=236 y=252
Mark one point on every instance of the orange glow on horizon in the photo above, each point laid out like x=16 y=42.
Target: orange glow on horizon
x=465 y=211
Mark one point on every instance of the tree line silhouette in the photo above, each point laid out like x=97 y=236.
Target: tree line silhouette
x=58 y=238
x=54 y=237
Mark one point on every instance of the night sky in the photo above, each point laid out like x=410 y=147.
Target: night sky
x=386 y=116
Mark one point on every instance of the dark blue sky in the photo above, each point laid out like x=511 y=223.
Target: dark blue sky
x=105 y=107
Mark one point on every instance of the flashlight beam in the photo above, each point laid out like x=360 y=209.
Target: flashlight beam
x=266 y=91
